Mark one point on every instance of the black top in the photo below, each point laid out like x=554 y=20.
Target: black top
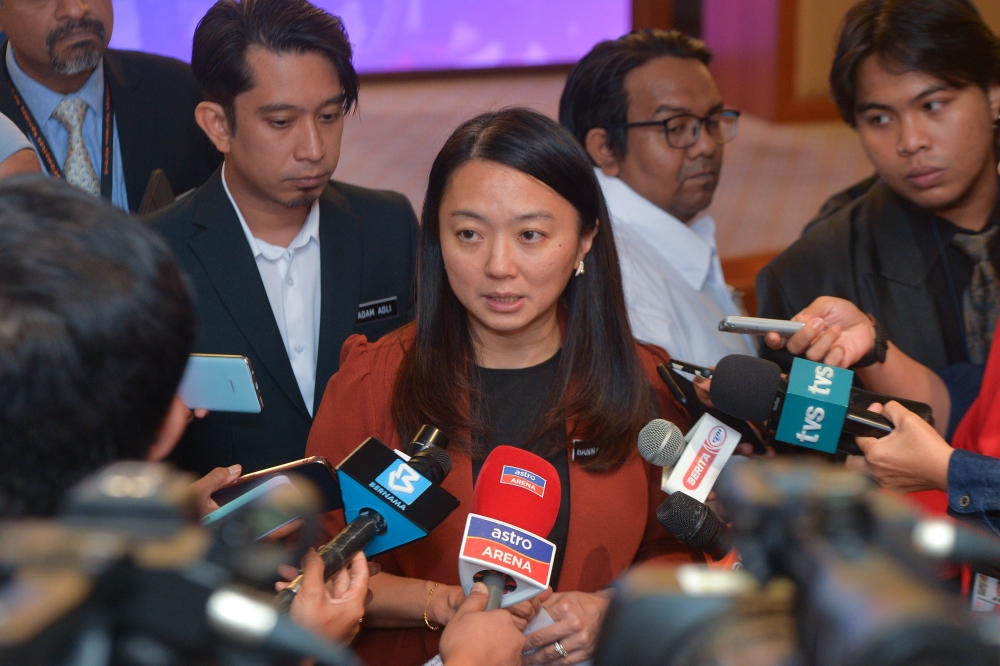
x=948 y=307
x=512 y=402
x=367 y=263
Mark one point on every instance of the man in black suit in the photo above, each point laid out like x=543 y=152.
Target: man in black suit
x=285 y=263
x=916 y=247
x=61 y=86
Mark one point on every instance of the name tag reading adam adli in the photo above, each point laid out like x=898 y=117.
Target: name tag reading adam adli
x=377 y=310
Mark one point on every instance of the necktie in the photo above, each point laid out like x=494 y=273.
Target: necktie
x=981 y=300
x=78 y=169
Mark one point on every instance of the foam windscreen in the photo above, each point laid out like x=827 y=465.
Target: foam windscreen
x=745 y=387
x=517 y=487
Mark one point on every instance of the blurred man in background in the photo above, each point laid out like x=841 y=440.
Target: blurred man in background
x=649 y=114
x=102 y=119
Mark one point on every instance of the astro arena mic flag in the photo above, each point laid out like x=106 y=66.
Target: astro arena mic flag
x=515 y=502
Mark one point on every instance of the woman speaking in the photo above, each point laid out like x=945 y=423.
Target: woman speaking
x=521 y=338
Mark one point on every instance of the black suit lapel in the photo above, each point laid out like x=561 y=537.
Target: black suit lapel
x=908 y=309
x=136 y=134
x=341 y=251
x=228 y=261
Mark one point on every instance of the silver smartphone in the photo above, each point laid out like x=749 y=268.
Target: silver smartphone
x=220 y=383
x=757 y=326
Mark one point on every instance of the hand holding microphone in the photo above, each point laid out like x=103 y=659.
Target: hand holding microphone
x=388 y=502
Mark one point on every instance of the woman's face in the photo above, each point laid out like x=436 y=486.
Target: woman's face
x=510 y=245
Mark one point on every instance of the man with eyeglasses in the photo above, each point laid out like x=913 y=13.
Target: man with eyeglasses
x=649 y=114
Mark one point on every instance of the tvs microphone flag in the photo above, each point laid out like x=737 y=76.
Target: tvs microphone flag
x=515 y=502
x=815 y=405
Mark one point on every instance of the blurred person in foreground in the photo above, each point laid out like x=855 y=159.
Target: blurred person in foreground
x=96 y=323
x=647 y=110
x=916 y=246
x=521 y=338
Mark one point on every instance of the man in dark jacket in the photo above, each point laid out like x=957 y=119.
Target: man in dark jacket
x=916 y=246
x=100 y=118
x=285 y=263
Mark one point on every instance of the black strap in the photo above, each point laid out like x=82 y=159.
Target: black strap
x=107 y=152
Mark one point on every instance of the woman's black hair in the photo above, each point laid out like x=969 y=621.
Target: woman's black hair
x=600 y=383
x=230 y=28
x=944 y=38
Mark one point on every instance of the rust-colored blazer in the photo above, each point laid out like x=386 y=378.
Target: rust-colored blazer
x=612 y=515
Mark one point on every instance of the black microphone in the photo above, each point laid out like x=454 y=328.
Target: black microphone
x=394 y=502
x=753 y=389
x=695 y=525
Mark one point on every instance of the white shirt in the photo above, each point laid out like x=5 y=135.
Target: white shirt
x=291 y=277
x=674 y=288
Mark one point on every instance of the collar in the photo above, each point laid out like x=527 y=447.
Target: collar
x=892 y=219
x=308 y=232
x=689 y=248
x=43 y=101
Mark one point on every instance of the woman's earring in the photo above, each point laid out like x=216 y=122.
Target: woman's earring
x=579 y=269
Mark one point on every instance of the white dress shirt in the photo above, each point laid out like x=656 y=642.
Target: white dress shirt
x=674 y=288
x=291 y=277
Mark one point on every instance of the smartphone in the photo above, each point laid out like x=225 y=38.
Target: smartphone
x=690 y=368
x=756 y=326
x=220 y=383
x=317 y=469
x=258 y=492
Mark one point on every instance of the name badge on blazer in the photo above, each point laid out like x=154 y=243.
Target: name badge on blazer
x=384 y=308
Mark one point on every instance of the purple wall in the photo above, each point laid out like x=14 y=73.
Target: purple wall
x=407 y=35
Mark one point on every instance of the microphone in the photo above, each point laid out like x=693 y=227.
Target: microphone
x=943 y=538
x=695 y=525
x=661 y=443
x=688 y=469
x=812 y=407
x=256 y=624
x=516 y=501
x=389 y=501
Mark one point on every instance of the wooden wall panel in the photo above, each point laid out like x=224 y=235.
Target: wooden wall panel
x=652 y=14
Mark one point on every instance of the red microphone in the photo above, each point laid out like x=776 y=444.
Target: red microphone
x=514 y=506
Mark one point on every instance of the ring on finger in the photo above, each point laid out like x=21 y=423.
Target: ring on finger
x=560 y=650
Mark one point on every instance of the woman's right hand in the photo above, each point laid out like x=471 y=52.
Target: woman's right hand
x=836 y=333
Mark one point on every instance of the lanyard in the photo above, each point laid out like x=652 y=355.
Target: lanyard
x=107 y=155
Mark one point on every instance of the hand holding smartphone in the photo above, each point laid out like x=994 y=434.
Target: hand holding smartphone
x=220 y=383
x=759 y=326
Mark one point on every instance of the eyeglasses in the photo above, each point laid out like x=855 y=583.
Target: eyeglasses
x=684 y=130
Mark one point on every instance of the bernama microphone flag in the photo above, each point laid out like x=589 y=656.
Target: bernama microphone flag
x=514 y=506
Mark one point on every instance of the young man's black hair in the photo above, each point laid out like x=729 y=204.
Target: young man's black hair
x=230 y=28
x=944 y=38
x=96 y=322
x=595 y=96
